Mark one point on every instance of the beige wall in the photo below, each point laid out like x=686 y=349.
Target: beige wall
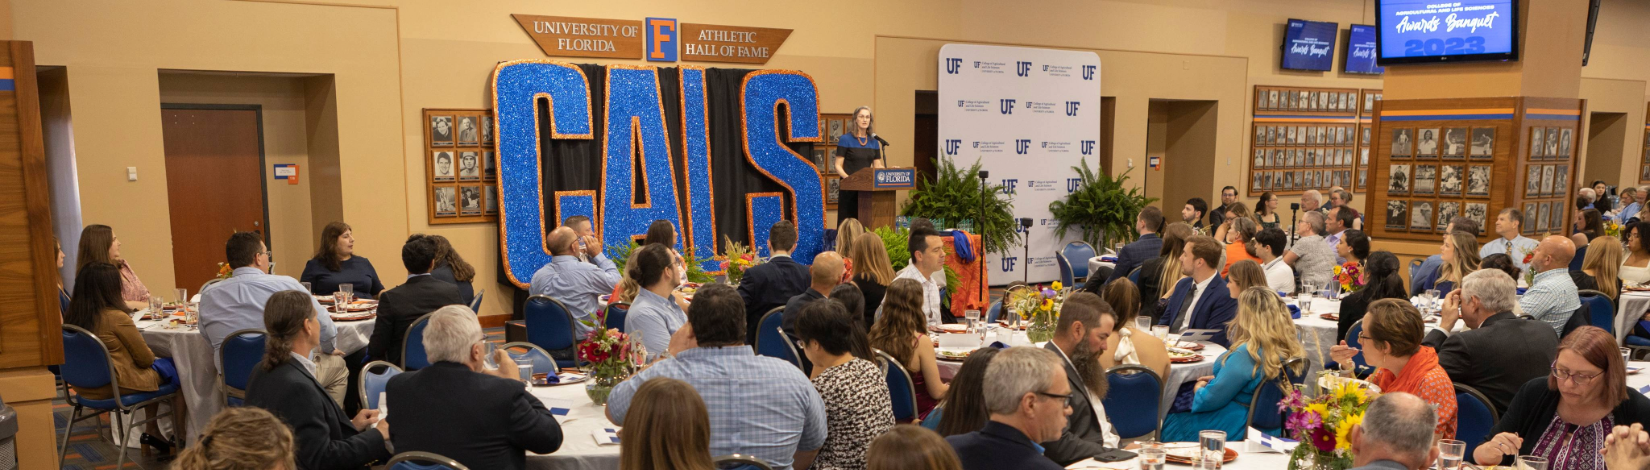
x=386 y=60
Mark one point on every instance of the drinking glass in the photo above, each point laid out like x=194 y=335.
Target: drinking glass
x=157 y=307
x=1143 y=323
x=1531 y=462
x=1450 y=452
x=1433 y=297
x=525 y=366
x=339 y=300
x=1151 y=455
x=1329 y=293
x=1303 y=299
x=973 y=317
x=1161 y=332
x=183 y=296
x=310 y=288
x=1212 y=449
x=347 y=287
x=1626 y=356
x=490 y=347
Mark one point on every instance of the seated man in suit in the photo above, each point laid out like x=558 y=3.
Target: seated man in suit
x=1501 y=352
x=460 y=408
x=399 y=307
x=1085 y=324
x=577 y=284
x=1396 y=434
x=1200 y=300
x=824 y=275
x=1148 y=223
x=1028 y=403
x=773 y=283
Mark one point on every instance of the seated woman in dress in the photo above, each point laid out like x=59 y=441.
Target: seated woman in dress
x=1566 y=415
x=1460 y=257
x=1589 y=225
x=1266 y=211
x=1635 y=270
x=1599 y=268
x=902 y=332
x=670 y=428
x=335 y=263
x=1381 y=281
x=1391 y=343
x=451 y=267
x=1263 y=338
x=284 y=383
x=1129 y=344
x=965 y=399
x=99 y=308
x=1240 y=242
x=858 y=407
x=98 y=244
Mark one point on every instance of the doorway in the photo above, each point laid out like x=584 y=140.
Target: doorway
x=214 y=183
x=1180 y=134
x=1606 y=142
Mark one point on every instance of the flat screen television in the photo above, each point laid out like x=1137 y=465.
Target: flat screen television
x=1360 y=51
x=1309 y=45
x=1420 y=31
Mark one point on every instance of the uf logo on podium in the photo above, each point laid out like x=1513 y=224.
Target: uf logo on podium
x=1009 y=184
x=1071 y=107
x=951 y=146
x=1023 y=68
x=1021 y=146
x=1007 y=105
x=953 y=65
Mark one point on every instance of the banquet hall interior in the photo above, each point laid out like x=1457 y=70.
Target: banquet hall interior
x=1193 y=211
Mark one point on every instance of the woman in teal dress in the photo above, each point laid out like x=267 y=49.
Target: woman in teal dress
x=1263 y=337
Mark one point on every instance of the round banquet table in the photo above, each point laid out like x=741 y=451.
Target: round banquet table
x=1096 y=263
x=1630 y=307
x=579 y=450
x=1641 y=380
x=197 y=374
x=1246 y=460
x=1178 y=373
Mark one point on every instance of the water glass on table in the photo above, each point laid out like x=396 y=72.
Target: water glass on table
x=524 y=365
x=1211 y=450
x=310 y=288
x=1531 y=462
x=1161 y=332
x=156 y=307
x=1450 y=453
x=340 y=299
x=1143 y=323
x=973 y=317
x=1151 y=455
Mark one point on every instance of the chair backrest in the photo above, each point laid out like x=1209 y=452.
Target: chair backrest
x=1578 y=318
x=932 y=421
x=373 y=383
x=741 y=462
x=1415 y=265
x=1602 y=310
x=1263 y=406
x=1134 y=275
x=1352 y=341
x=771 y=340
x=541 y=359
x=1066 y=275
x=549 y=323
x=1135 y=395
x=423 y=461
x=616 y=313
x=1078 y=254
x=900 y=389
x=996 y=310
x=238 y=355
x=85 y=360
x=413 y=356
x=475 y=305
x=1475 y=416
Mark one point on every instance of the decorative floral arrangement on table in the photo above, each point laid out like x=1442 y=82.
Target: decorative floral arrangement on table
x=1040 y=307
x=1529 y=272
x=739 y=258
x=1611 y=228
x=1350 y=276
x=224 y=271
x=1323 y=424
x=609 y=353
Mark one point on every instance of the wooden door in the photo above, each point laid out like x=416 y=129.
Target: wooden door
x=214 y=185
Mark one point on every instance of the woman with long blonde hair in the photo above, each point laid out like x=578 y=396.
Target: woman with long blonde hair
x=243 y=437
x=1263 y=337
x=902 y=333
x=872 y=272
x=1601 y=266
x=667 y=427
x=1460 y=255
x=1159 y=275
x=847 y=234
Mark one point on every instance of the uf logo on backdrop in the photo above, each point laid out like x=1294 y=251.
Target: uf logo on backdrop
x=1088 y=72
x=953 y=65
x=951 y=146
x=661 y=39
x=1009 y=184
x=1071 y=107
x=1021 y=146
x=1008 y=263
x=1007 y=105
x=1023 y=68
x=1087 y=147
x=1073 y=184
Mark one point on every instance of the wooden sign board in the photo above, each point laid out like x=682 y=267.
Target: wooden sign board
x=561 y=36
x=734 y=44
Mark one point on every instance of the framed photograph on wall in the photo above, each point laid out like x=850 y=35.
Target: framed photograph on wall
x=486 y=129
x=1455 y=143
x=1450 y=178
x=1547 y=174
x=1478 y=181
x=446 y=201
x=1532 y=181
x=460 y=148
x=489 y=204
x=469 y=200
x=1403 y=142
x=1483 y=143
x=1538 y=143
x=1426 y=145
x=1477 y=211
x=1397 y=214
x=489 y=165
x=1447 y=210
x=1420 y=216
x=1426 y=179
x=1556 y=223
x=443 y=161
x=1398 y=180
x=469 y=166
x=1561 y=180
x=1564 y=143
x=1552 y=142
x=1530 y=213
x=441 y=131
x=468 y=132
x=834 y=191
x=1544 y=213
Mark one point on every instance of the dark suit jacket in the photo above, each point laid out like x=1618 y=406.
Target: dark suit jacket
x=1134 y=254
x=1215 y=308
x=398 y=308
x=477 y=419
x=793 y=309
x=770 y=285
x=1083 y=437
x=999 y=447
x=321 y=431
x=1498 y=357
x=466 y=290
x=1150 y=278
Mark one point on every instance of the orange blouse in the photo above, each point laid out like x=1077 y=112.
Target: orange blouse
x=1431 y=383
x=1235 y=252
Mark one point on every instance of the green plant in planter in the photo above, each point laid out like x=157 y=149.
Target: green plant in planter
x=1101 y=208
x=955 y=195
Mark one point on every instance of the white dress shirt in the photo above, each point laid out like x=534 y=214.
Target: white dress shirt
x=930 y=290
x=1279 y=276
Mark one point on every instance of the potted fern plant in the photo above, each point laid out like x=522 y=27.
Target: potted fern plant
x=1101 y=208
x=956 y=195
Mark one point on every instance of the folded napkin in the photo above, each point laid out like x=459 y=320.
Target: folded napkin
x=1294 y=311
x=606 y=436
x=1645 y=390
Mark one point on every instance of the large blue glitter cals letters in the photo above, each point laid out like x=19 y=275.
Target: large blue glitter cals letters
x=636 y=123
x=761 y=94
x=696 y=140
x=517 y=87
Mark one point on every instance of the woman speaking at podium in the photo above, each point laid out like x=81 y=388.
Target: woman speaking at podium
x=858 y=149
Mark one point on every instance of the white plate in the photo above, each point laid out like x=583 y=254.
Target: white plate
x=1331 y=381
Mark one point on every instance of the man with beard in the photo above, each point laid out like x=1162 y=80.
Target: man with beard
x=1079 y=339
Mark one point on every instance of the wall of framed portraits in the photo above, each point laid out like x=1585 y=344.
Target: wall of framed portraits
x=463 y=171
x=831 y=126
x=1436 y=159
x=1310 y=138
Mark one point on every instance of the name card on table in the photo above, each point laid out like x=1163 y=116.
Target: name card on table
x=1192 y=336
x=1263 y=442
x=606 y=436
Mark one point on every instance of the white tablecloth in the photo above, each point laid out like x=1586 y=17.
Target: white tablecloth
x=1096 y=263
x=1180 y=373
x=1630 y=307
x=579 y=450
x=1642 y=379
x=1245 y=461
x=1317 y=334
x=197 y=375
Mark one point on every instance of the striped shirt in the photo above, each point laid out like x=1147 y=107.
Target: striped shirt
x=1551 y=298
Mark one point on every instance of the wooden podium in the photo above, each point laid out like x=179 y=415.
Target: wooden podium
x=876 y=188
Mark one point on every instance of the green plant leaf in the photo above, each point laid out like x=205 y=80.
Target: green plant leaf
x=1101 y=209
x=956 y=195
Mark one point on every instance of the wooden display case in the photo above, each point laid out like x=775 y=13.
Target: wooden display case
x=460 y=166
x=1307 y=138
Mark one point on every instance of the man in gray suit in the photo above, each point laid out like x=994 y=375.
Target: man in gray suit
x=1079 y=339
x=1396 y=434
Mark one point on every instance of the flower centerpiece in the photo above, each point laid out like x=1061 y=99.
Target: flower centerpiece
x=1323 y=425
x=610 y=355
x=1529 y=272
x=1349 y=276
x=224 y=271
x=1040 y=307
x=739 y=258
x=1611 y=228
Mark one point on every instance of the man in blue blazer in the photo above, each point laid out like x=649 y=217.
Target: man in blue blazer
x=1148 y=223
x=773 y=283
x=1201 y=301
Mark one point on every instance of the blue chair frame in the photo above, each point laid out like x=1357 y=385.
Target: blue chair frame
x=1473 y=433
x=237 y=356
x=409 y=461
x=1415 y=265
x=372 y=383
x=1134 y=275
x=616 y=314
x=772 y=341
x=1126 y=410
x=475 y=305
x=1352 y=341
x=1067 y=274
x=995 y=311
x=1077 y=255
x=1602 y=310
x=542 y=360
x=900 y=388
x=1270 y=392
x=740 y=462
x=413 y=356
x=550 y=326
x=79 y=342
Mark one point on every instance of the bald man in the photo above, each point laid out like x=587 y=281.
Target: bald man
x=1396 y=433
x=823 y=276
x=577 y=284
x=1552 y=297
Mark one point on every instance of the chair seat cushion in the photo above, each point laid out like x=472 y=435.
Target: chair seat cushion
x=131 y=399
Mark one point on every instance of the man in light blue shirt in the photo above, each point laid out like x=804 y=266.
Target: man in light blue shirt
x=1629 y=197
x=1552 y=297
x=654 y=314
x=759 y=406
x=237 y=304
x=1510 y=243
x=577 y=284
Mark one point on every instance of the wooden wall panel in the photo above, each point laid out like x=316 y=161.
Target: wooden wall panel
x=29 y=318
